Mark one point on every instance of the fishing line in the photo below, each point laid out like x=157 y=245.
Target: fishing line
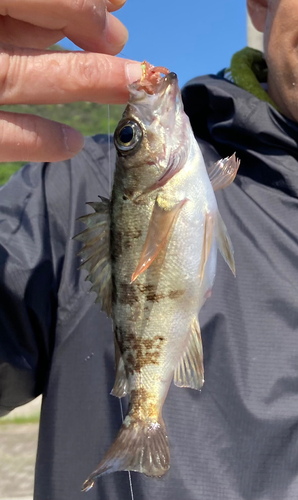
x=129 y=474
x=110 y=192
x=109 y=152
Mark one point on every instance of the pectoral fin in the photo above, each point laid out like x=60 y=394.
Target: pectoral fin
x=223 y=172
x=224 y=243
x=95 y=252
x=208 y=234
x=158 y=235
x=190 y=371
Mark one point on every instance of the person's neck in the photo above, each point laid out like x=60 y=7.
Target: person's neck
x=278 y=97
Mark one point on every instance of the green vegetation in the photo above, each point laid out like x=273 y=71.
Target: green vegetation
x=87 y=117
x=7 y=169
x=32 y=419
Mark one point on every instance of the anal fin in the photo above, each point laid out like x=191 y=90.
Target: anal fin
x=190 y=370
x=208 y=234
x=224 y=244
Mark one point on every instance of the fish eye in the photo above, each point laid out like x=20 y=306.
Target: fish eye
x=128 y=136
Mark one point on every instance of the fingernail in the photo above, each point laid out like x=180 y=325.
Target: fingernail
x=133 y=72
x=117 y=3
x=73 y=139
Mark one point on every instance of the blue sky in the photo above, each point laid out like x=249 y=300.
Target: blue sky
x=189 y=37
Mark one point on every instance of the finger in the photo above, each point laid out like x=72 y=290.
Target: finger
x=21 y=34
x=31 y=138
x=110 y=40
x=86 y=22
x=46 y=77
x=113 y=5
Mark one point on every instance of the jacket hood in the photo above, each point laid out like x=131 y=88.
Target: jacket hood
x=231 y=119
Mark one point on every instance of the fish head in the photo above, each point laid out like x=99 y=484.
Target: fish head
x=154 y=128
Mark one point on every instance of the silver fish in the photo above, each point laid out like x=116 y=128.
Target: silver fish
x=151 y=255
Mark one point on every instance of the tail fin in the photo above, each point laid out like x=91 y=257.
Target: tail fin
x=140 y=446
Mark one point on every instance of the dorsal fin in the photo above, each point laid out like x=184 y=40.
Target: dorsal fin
x=95 y=253
x=120 y=388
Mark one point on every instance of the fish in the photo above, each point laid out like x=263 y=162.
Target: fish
x=151 y=253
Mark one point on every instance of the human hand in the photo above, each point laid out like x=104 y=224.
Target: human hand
x=36 y=76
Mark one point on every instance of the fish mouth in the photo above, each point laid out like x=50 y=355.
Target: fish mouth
x=168 y=84
x=156 y=96
x=168 y=93
x=152 y=83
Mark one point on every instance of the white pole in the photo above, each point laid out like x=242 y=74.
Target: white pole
x=254 y=37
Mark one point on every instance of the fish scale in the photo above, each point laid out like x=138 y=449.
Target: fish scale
x=157 y=241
